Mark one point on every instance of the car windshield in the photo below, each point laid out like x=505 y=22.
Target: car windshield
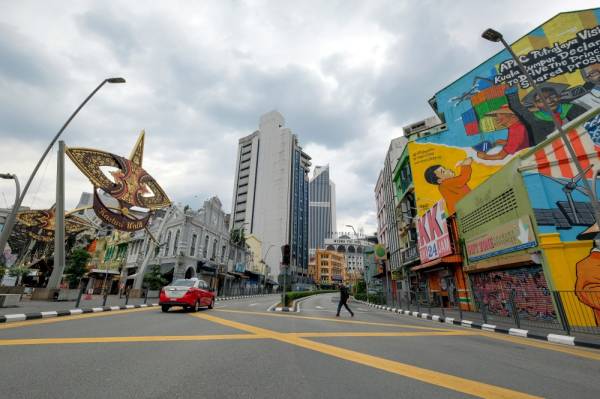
x=183 y=283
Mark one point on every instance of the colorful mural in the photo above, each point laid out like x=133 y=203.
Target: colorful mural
x=531 y=295
x=492 y=114
x=566 y=221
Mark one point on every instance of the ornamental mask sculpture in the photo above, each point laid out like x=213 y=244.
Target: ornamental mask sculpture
x=134 y=192
x=40 y=224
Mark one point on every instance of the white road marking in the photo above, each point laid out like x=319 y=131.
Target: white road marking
x=252 y=304
x=319 y=307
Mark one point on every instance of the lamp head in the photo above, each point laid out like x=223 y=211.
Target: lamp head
x=6 y=176
x=115 y=80
x=492 y=35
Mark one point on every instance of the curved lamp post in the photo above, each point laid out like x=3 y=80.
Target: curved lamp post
x=10 y=220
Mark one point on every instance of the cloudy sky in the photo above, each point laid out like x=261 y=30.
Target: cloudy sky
x=346 y=75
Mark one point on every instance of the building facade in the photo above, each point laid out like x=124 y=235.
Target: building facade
x=270 y=197
x=322 y=212
x=193 y=243
x=329 y=268
x=387 y=229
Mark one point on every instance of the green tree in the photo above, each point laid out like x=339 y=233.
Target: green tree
x=154 y=280
x=76 y=266
x=20 y=272
x=2 y=271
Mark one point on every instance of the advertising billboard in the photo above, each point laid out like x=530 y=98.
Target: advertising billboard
x=434 y=237
x=492 y=114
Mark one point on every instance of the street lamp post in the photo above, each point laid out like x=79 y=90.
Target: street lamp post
x=352 y=227
x=495 y=36
x=265 y=265
x=10 y=221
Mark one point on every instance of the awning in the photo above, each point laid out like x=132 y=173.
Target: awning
x=104 y=271
x=238 y=275
x=445 y=259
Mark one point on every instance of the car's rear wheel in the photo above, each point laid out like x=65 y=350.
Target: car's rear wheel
x=211 y=304
x=165 y=308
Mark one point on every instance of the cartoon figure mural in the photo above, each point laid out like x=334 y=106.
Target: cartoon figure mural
x=587 y=284
x=492 y=114
x=452 y=187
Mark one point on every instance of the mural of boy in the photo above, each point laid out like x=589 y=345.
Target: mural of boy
x=452 y=187
x=517 y=139
x=587 y=285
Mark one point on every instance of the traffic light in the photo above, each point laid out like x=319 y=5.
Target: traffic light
x=285 y=254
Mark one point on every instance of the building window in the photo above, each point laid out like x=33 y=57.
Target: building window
x=223 y=250
x=193 y=246
x=167 y=244
x=205 y=249
x=214 y=250
x=176 y=243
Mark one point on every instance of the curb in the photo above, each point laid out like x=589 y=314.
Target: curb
x=60 y=313
x=517 y=332
x=228 y=298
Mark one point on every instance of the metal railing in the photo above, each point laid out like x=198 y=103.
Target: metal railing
x=567 y=311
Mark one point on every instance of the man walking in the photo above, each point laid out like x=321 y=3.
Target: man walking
x=343 y=299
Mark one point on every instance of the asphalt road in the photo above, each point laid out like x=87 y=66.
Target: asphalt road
x=239 y=350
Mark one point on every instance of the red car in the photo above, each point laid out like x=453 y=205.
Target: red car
x=188 y=293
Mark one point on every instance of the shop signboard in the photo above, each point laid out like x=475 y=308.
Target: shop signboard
x=434 y=237
x=512 y=236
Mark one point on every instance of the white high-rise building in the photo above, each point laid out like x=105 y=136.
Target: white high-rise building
x=270 y=197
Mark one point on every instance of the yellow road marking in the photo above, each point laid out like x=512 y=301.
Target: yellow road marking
x=368 y=323
x=448 y=381
x=379 y=334
x=14 y=324
x=589 y=354
x=97 y=340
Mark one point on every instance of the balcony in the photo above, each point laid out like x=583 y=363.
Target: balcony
x=409 y=255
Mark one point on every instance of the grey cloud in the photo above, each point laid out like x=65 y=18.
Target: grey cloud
x=114 y=30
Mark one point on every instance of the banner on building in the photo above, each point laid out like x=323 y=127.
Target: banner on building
x=508 y=237
x=434 y=237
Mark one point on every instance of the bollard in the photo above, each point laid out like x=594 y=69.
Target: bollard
x=145 y=296
x=484 y=312
x=513 y=307
x=79 y=296
x=561 y=312
x=457 y=301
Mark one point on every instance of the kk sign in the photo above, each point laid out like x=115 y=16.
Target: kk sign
x=434 y=238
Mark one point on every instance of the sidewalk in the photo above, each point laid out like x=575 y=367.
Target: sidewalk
x=551 y=331
x=26 y=305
